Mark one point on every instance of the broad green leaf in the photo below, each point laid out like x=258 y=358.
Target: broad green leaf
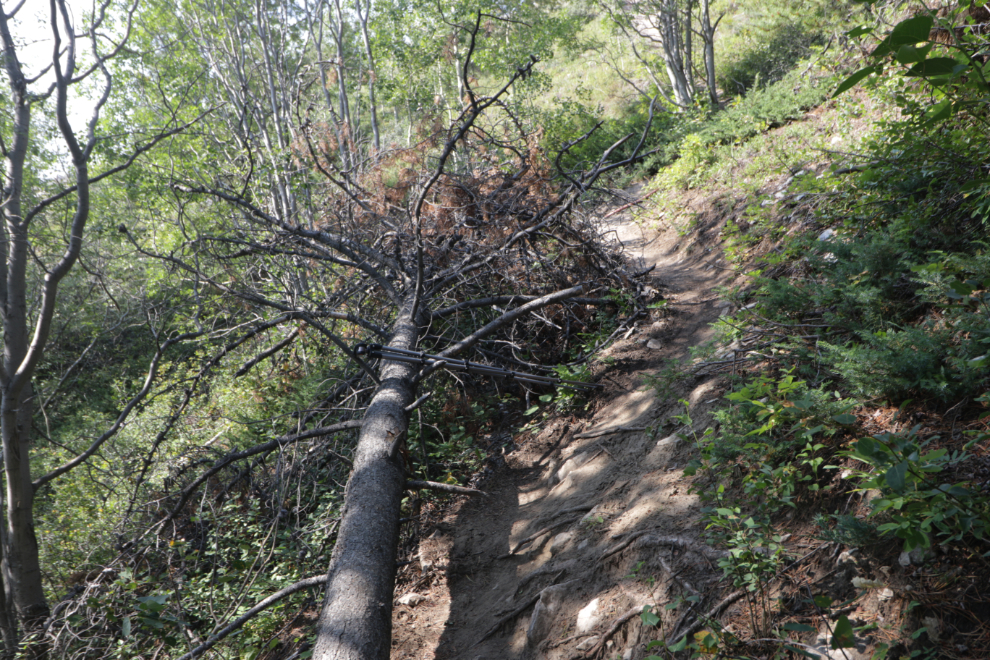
x=845 y=419
x=909 y=53
x=842 y=634
x=798 y=627
x=962 y=289
x=648 y=617
x=939 y=112
x=859 y=31
x=867 y=447
x=937 y=66
x=896 y=476
x=881 y=652
x=912 y=31
x=852 y=80
x=823 y=602
x=125 y=628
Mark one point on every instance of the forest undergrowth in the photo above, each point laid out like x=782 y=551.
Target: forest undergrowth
x=857 y=413
x=857 y=354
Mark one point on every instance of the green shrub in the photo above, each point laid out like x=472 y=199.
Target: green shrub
x=762 y=43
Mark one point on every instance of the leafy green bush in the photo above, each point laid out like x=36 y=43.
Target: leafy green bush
x=759 y=45
x=846 y=530
x=767 y=415
x=767 y=107
x=914 y=493
x=897 y=363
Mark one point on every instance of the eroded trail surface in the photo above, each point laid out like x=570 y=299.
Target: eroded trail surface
x=538 y=568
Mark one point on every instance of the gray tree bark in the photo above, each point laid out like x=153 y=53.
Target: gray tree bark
x=356 y=620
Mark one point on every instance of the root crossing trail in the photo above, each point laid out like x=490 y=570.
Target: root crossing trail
x=588 y=518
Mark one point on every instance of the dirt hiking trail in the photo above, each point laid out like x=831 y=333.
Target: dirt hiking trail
x=536 y=569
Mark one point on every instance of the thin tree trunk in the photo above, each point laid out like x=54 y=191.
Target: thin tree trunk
x=372 y=72
x=708 y=34
x=337 y=30
x=688 y=59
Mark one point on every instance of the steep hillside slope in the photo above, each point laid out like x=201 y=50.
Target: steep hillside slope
x=712 y=494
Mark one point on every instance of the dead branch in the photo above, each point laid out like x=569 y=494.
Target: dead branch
x=250 y=364
x=633 y=203
x=413 y=484
x=308 y=583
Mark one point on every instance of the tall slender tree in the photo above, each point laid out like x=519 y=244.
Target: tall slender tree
x=29 y=285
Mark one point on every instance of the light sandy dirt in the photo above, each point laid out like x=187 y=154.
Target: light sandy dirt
x=586 y=491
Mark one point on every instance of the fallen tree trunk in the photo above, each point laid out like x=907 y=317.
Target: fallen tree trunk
x=356 y=620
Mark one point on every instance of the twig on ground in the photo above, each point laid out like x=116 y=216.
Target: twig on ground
x=612 y=629
x=413 y=484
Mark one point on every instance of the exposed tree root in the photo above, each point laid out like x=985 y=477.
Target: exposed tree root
x=532 y=537
x=615 y=429
x=644 y=538
x=612 y=629
x=529 y=602
x=559 y=569
x=509 y=617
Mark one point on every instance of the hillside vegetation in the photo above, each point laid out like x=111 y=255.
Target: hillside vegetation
x=197 y=418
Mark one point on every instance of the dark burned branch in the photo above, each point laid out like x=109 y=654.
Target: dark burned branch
x=509 y=317
x=339 y=343
x=418 y=402
x=367 y=259
x=510 y=300
x=552 y=212
x=413 y=484
x=272 y=445
x=470 y=115
x=263 y=605
x=261 y=300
